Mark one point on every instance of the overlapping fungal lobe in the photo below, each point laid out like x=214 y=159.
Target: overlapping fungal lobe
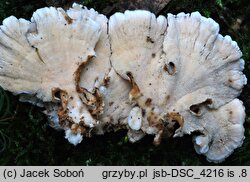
x=42 y=57
x=136 y=44
x=209 y=76
x=222 y=132
x=181 y=70
x=98 y=76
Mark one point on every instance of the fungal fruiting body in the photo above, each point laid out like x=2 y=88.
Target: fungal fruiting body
x=134 y=71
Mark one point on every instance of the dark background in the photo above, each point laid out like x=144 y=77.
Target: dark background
x=26 y=138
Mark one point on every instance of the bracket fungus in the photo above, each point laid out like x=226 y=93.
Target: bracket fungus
x=134 y=71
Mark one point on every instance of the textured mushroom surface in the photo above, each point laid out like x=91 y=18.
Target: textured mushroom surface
x=135 y=71
x=42 y=58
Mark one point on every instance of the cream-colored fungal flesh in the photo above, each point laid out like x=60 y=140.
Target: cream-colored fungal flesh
x=133 y=71
x=185 y=72
x=41 y=58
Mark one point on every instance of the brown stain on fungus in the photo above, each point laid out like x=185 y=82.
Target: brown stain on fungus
x=64 y=120
x=153 y=119
x=98 y=104
x=148 y=102
x=64 y=101
x=77 y=128
x=175 y=117
x=135 y=91
x=158 y=138
x=170 y=68
x=68 y=19
x=78 y=71
x=93 y=101
x=87 y=97
x=155 y=122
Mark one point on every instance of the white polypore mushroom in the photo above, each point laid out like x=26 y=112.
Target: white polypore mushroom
x=185 y=73
x=205 y=100
x=117 y=107
x=132 y=71
x=95 y=71
x=43 y=58
x=223 y=132
x=98 y=74
x=136 y=43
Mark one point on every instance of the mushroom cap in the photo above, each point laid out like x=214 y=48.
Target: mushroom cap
x=223 y=131
x=133 y=71
x=35 y=56
x=183 y=73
